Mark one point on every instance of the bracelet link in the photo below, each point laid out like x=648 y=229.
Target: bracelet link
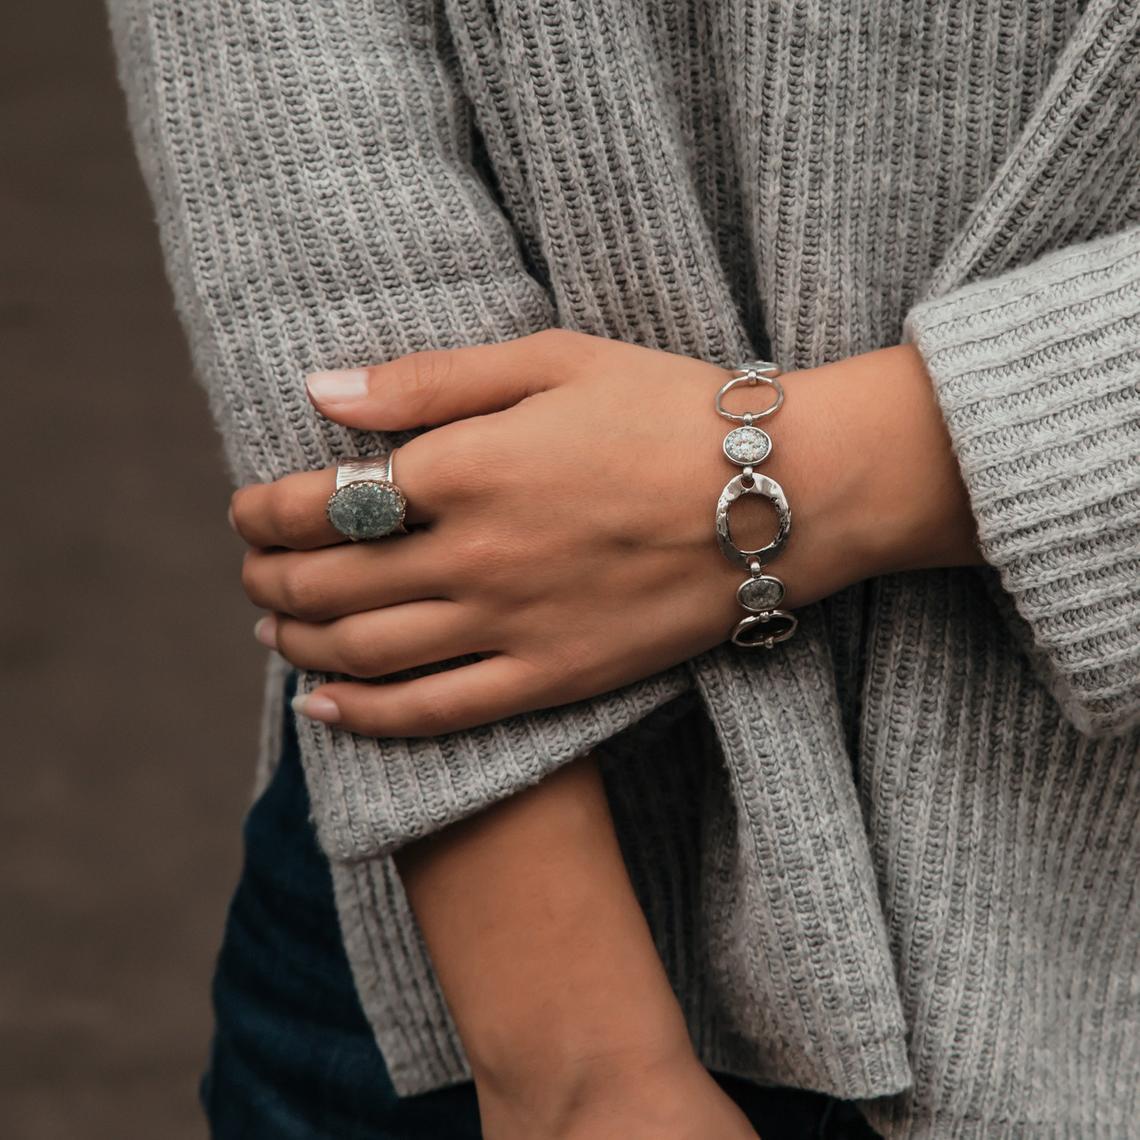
x=764 y=630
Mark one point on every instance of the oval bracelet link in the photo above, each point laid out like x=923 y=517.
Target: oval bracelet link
x=764 y=630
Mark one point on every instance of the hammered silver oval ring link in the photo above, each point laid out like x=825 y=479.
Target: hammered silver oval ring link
x=736 y=489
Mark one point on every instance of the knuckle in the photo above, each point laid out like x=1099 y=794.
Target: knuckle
x=459 y=442
x=235 y=508
x=251 y=578
x=565 y=665
x=422 y=377
x=356 y=653
x=287 y=644
x=488 y=458
x=467 y=463
x=302 y=593
x=556 y=339
x=563 y=351
x=433 y=717
x=485 y=556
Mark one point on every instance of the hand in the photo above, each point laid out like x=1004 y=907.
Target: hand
x=565 y=522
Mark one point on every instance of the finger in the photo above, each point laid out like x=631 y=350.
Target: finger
x=379 y=642
x=319 y=585
x=291 y=512
x=436 y=387
x=450 y=701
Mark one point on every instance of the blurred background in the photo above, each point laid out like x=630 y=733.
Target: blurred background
x=129 y=679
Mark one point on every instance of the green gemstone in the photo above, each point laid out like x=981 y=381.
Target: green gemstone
x=366 y=510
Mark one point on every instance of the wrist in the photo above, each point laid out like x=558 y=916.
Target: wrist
x=915 y=488
x=873 y=469
x=590 y=1027
x=638 y=1097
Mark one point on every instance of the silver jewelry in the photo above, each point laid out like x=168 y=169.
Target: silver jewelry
x=760 y=594
x=367 y=504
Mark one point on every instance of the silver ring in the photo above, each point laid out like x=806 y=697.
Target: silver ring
x=367 y=504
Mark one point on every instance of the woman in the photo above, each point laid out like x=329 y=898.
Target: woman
x=898 y=871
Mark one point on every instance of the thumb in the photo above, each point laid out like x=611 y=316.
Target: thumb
x=435 y=387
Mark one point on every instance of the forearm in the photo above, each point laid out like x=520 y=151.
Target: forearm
x=527 y=911
x=538 y=940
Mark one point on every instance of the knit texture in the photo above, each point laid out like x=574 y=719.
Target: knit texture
x=893 y=860
x=1023 y=366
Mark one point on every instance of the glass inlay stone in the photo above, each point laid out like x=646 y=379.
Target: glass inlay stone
x=747 y=445
x=762 y=593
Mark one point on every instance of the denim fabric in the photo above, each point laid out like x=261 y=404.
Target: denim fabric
x=293 y=1057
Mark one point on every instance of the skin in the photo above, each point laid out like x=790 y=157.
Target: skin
x=550 y=971
x=567 y=497
x=562 y=514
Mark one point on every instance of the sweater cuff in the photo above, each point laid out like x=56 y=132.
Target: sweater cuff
x=372 y=796
x=1038 y=376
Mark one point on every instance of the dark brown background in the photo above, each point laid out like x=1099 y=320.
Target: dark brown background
x=129 y=679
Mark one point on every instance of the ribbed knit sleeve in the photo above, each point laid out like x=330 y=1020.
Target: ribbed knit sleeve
x=320 y=205
x=1038 y=375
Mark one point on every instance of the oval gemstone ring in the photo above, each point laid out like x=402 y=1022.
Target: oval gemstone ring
x=367 y=504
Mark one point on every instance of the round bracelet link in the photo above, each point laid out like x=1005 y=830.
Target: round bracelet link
x=765 y=625
x=737 y=488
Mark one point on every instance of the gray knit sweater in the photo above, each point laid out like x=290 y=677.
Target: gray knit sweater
x=894 y=859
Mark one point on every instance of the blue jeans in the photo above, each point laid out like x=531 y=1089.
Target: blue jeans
x=293 y=1057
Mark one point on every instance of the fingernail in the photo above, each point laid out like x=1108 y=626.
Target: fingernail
x=333 y=387
x=316 y=707
x=266 y=631
x=230 y=518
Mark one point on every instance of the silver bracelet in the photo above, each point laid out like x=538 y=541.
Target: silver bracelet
x=747 y=445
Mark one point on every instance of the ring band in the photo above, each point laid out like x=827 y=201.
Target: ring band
x=367 y=504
